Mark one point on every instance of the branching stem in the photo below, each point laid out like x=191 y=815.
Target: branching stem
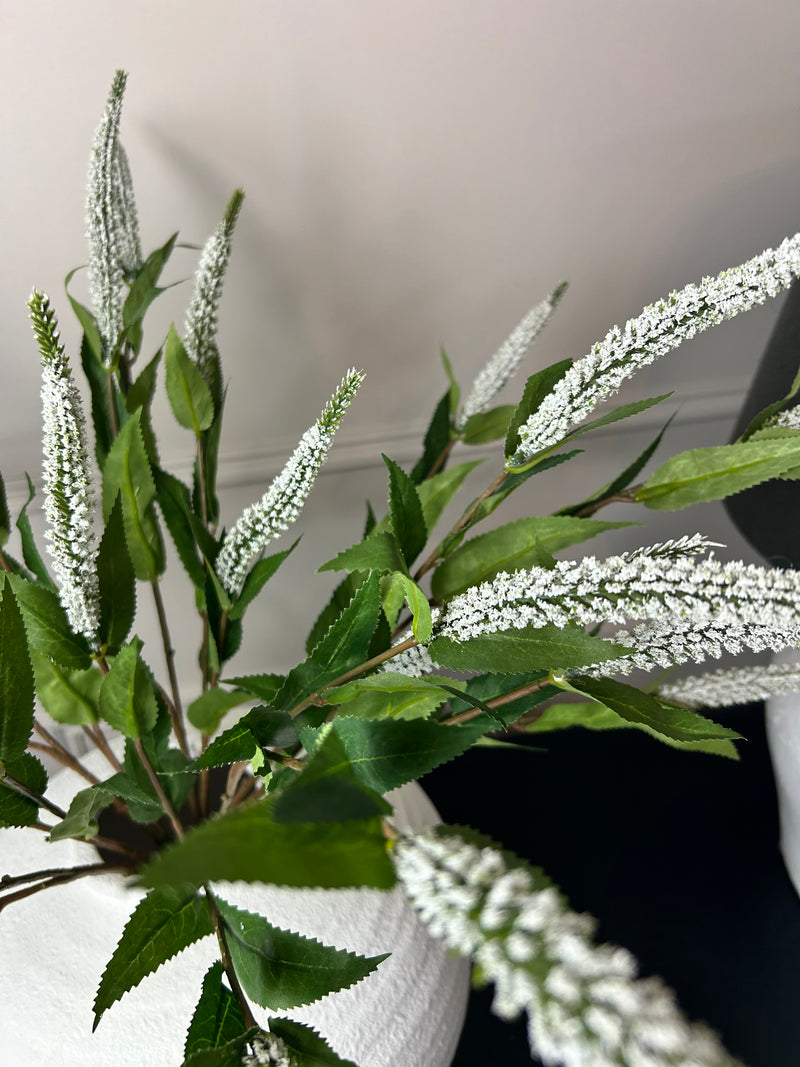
x=175 y=710
x=227 y=962
x=162 y=796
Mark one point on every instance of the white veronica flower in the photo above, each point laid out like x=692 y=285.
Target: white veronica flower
x=508 y=357
x=104 y=210
x=739 y=685
x=660 y=328
x=201 y=318
x=69 y=502
x=585 y=1005
x=127 y=218
x=265 y=520
x=269 y=1049
x=784 y=420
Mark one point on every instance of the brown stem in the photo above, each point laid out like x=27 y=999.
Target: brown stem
x=355 y=672
x=112 y=845
x=97 y=737
x=176 y=711
x=62 y=879
x=235 y=773
x=227 y=962
x=441 y=459
x=498 y=702
x=8 y=881
x=29 y=794
x=4 y=563
x=38 y=825
x=433 y=558
x=62 y=754
x=162 y=796
x=625 y=497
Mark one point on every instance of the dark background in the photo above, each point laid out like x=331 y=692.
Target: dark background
x=675 y=853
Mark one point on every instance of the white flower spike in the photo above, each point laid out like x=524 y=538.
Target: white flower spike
x=585 y=1005
x=69 y=502
x=265 y=520
x=660 y=328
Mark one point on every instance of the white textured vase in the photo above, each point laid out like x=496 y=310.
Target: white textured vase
x=783 y=735
x=55 y=945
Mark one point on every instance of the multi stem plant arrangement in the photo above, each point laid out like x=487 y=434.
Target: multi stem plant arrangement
x=396 y=679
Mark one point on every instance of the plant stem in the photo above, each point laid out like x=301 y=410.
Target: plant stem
x=433 y=558
x=227 y=962
x=112 y=404
x=625 y=497
x=8 y=881
x=162 y=796
x=62 y=754
x=63 y=879
x=498 y=702
x=4 y=563
x=97 y=737
x=176 y=711
x=201 y=481
x=355 y=672
x=441 y=459
x=37 y=798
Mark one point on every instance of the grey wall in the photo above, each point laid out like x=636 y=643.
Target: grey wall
x=415 y=173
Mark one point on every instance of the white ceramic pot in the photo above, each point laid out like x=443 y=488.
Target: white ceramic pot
x=54 y=947
x=783 y=735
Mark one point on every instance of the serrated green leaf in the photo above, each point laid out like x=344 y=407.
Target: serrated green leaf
x=142 y=806
x=327 y=791
x=377 y=552
x=68 y=696
x=486 y=426
x=340 y=598
x=713 y=473
x=175 y=503
x=636 y=706
x=257 y=579
x=389 y=753
x=228 y=1055
x=436 y=492
x=247 y=844
x=30 y=551
x=344 y=646
x=98 y=386
x=437 y=438
x=209 y=445
x=264 y=686
x=624 y=411
x=280 y=969
x=217 y=1018
x=532 y=648
x=189 y=396
x=208 y=709
x=164 y=923
x=144 y=290
x=116 y=582
x=306 y=1045
x=87 y=321
x=771 y=409
x=127 y=473
x=259 y=728
x=127 y=701
x=16 y=679
x=81 y=818
x=405 y=508
x=536 y=389
x=46 y=624
x=140 y=398
x=16 y=810
x=523 y=543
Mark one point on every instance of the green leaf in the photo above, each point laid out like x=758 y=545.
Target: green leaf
x=264 y=686
x=228 y=1055
x=46 y=624
x=87 y=321
x=327 y=791
x=455 y=392
x=81 y=818
x=116 y=581
x=437 y=438
x=307 y=1046
x=624 y=411
x=259 y=728
x=162 y=925
x=140 y=398
x=127 y=473
x=713 y=473
x=344 y=646
x=209 y=708
x=490 y=686
x=30 y=552
x=144 y=290
x=247 y=844
x=513 y=482
x=638 y=707
x=127 y=700
x=537 y=388
x=512 y=651
x=189 y=396
x=523 y=543
x=772 y=409
x=377 y=552
x=5 y=518
x=486 y=426
x=257 y=579
x=209 y=445
x=389 y=753
x=405 y=508
x=421 y=625
x=98 y=386
x=340 y=598
x=280 y=969
x=16 y=679
x=68 y=696
x=142 y=806
x=217 y=1018
x=436 y=492
x=16 y=810
x=623 y=480
x=175 y=503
